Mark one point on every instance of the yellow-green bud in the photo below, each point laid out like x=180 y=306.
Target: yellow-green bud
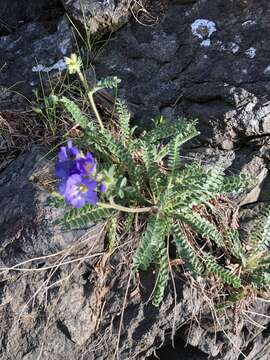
x=73 y=63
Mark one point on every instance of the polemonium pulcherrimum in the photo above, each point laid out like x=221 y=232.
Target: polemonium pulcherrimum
x=76 y=174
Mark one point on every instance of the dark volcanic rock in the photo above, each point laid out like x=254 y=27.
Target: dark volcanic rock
x=15 y=13
x=27 y=219
x=32 y=50
x=208 y=60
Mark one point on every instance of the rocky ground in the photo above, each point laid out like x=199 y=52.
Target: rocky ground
x=205 y=59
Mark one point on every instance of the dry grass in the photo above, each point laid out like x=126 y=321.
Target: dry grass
x=148 y=12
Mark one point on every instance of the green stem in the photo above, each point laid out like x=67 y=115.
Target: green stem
x=83 y=80
x=126 y=209
x=90 y=97
x=93 y=104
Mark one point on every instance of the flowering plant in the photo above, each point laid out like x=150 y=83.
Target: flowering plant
x=144 y=176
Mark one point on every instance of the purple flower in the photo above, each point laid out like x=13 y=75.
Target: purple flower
x=66 y=164
x=66 y=152
x=77 y=178
x=103 y=187
x=86 y=164
x=78 y=191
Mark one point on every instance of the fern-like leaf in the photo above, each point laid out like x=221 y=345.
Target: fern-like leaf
x=214 y=181
x=186 y=252
x=156 y=178
x=260 y=278
x=77 y=114
x=200 y=226
x=109 y=82
x=235 y=246
x=124 y=119
x=79 y=218
x=182 y=127
x=112 y=235
x=223 y=274
x=151 y=242
x=162 y=278
x=174 y=155
x=260 y=236
x=235 y=183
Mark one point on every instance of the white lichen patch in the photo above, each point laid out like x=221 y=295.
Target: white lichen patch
x=251 y=52
x=249 y=23
x=229 y=47
x=59 y=66
x=203 y=29
x=267 y=70
x=233 y=47
x=206 y=43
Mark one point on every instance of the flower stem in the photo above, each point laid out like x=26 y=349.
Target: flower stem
x=90 y=94
x=93 y=104
x=126 y=209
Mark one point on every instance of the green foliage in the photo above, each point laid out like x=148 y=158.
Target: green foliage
x=202 y=227
x=225 y=275
x=260 y=237
x=162 y=278
x=257 y=262
x=112 y=235
x=79 y=218
x=148 y=180
x=235 y=183
x=186 y=252
x=109 y=82
x=149 y=154
x=147 y=251
x=77 y=114
x=235 y=245
x=166 y=130
x=124 y=121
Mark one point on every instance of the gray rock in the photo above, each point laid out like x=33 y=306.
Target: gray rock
x=69 y=305
x=207 y=60
x=27 y=219
x=69 y=300
x=32 y=51
x=100 y=16
x=14 y=14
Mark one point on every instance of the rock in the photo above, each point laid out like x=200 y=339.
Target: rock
x=195 y=62
x=77 y=302
x=10 y=99
x=31 y=51
x=205 y=59
x=27 y=219
x=18 y=12
x=179 y=352
x=100 y=16
x=67 y=297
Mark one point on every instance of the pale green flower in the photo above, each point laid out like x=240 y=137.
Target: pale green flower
x=74 y=63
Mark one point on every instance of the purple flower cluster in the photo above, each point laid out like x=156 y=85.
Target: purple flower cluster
x=77 y=176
